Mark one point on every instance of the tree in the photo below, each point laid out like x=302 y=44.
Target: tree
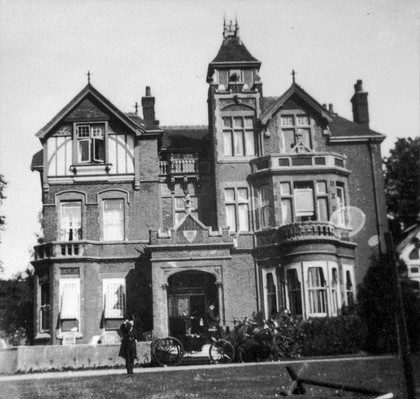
x=402 y=184
x=16 y=308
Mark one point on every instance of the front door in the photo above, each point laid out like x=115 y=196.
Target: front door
x=189 y=295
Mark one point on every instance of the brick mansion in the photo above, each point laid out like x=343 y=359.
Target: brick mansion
x=256 y=212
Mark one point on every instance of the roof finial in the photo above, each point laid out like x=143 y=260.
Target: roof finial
x=136 y=108
x=88 y=76
x=293 y=75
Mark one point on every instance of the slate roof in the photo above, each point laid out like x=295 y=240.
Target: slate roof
x=37 y=160
x=233 y=50
x=183 y=138
x=339 y=126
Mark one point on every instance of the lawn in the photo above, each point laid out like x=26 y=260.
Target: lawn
x=239 y=381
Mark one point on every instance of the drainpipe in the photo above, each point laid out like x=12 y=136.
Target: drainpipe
x=254 y=242
x=375 y=192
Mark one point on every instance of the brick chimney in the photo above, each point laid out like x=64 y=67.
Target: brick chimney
x=360 y=105
x=148 y=104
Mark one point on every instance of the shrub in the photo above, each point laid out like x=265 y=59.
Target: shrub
x=332 y=335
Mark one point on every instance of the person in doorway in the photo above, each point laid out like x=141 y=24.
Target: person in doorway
x=212 y=322
x=128 y=349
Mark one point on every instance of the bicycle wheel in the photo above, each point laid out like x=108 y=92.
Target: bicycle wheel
x=167 y=351
x=221 y=351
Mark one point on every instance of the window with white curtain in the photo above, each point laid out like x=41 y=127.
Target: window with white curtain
x=70 y=300
x=114 y=298
x=113 y=220
x=70 y=221
x=317 y=292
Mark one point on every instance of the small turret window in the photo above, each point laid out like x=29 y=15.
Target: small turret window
x=235 y=75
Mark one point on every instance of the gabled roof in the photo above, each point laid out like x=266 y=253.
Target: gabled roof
x=184 y=138
x=294 y=89
x=341 y=129
x=136 y=125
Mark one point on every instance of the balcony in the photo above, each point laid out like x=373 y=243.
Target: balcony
x=60 y=250
x=297 y=162
x=185 y=167
x=302 y=231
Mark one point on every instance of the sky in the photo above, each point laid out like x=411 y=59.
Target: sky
x=47 y=48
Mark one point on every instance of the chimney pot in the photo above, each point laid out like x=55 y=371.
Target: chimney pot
x=330 y=108
x=358 y=87
x=325 y=106
x=148 y=104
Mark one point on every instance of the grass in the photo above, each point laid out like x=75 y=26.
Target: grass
x=250 y=381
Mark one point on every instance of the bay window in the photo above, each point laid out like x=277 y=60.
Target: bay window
x=70 y=220
x=313 y=289
x=303 y=203
x=90 y=143
x=238 y=136
x=113 y=219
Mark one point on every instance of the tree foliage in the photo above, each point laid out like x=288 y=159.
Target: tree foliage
x=16 y=308
x=402 y=182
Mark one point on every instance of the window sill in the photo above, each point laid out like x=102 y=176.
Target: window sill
x=61 y=335
x=42 y=336
x=89 y=169
x=241 y=159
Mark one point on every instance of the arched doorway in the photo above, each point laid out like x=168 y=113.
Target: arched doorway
x=189 y=295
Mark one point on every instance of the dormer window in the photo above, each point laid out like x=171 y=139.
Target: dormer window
x=90 y=143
